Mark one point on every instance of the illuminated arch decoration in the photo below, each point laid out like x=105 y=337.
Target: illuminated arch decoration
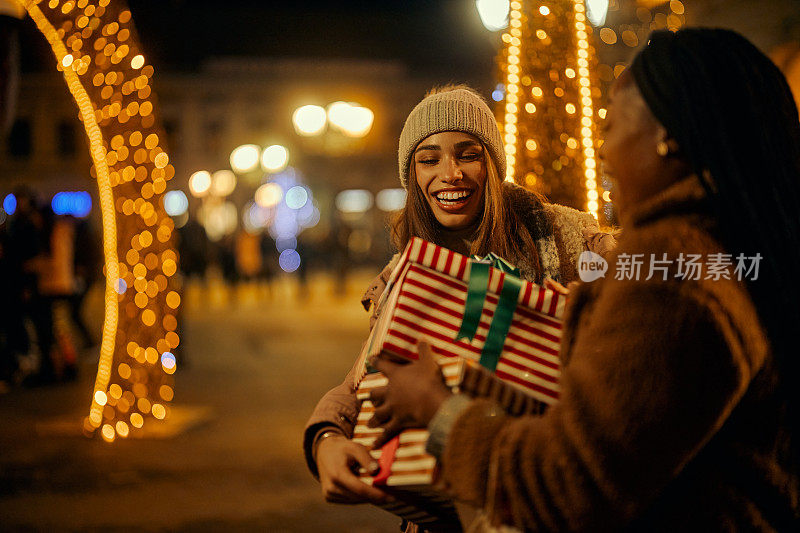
x=97 y=51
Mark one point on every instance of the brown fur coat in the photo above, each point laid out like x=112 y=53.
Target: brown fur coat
x=669 y=418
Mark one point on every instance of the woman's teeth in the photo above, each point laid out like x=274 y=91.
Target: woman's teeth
x=452 y=196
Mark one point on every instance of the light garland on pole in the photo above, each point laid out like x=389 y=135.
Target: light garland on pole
x=554 y=87
x=96 y=49
x=513 y=68
x=587 y=108
x=548 y=115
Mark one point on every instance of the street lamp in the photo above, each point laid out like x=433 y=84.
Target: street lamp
x=596 y=11
x=493 y=13
x=352 y=119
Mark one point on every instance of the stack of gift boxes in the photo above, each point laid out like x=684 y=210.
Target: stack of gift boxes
x=493 y=334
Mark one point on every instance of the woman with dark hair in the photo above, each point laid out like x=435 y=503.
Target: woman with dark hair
x=678 y=408
x=452 y=163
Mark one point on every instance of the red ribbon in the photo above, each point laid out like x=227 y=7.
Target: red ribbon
x=388 y=452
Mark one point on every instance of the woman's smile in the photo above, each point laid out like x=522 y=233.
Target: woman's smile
x=454 y=199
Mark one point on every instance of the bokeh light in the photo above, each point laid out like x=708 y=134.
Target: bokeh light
x=269 y=194
x=309 y=120
x=289 y=260
x=175 y=203
x=78 y=203
x=245 y=158
x=223 y=183
x=275 y=158
x=296 y=197
x=391 y=199
x=354 y=201
x=200 y=183
x=351 y=119
x=10 y=204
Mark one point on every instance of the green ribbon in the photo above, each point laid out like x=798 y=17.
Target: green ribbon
x=477 y=288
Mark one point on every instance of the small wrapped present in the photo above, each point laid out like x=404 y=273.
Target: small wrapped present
x=493 y=334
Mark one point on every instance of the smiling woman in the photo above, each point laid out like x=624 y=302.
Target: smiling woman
x=450 y=170
x=451 y=161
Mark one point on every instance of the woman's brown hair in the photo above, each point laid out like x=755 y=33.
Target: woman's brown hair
x=500 y=229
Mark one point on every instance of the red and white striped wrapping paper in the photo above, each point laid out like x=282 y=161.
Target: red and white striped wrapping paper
x=426 y=298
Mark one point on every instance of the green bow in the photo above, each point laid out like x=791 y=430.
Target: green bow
x=477 y=288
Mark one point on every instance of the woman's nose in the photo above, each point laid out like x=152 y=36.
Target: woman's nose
x=452 y=170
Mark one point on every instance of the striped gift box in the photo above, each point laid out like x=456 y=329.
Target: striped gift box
x=426 y=297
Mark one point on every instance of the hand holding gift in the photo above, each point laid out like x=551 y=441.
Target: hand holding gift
x=414 y=393
x=337 y=458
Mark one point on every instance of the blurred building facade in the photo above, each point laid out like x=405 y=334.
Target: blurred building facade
x=230 y=102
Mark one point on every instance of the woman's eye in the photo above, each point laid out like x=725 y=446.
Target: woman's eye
x=428 y=161
x=470 y=156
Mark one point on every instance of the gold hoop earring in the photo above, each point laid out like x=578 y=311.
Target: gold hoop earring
x=662 y=148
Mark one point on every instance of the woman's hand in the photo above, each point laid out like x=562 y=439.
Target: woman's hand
x=337 y=458
x=556 y=286
x=415 y=391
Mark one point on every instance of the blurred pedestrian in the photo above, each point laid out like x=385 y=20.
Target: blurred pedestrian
x=452 y=163
x=28 y=246
x=88 y=271
x=57 y=289
x=193 y=249
x=249 y=262
x=680 y=406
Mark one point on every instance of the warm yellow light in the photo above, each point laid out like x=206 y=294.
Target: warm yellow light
x=137 y=420
x=269 y=195
x=159 y=412
x=67 y=60
x=200 y=183
x=100 y=398
x=275 y=158
x=122 y=429
x=309 y=120
x=351 y=119
x=137 y=62
x=544 y=10
x=245 y=158
x=108 y=433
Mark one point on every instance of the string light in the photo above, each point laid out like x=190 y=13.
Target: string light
x=91 y=44
x=512 y=87
x=587 y=122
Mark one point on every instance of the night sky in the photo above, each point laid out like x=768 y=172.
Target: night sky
x=444 y=37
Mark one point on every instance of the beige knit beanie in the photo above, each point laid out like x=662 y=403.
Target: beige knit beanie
x=456 y=108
